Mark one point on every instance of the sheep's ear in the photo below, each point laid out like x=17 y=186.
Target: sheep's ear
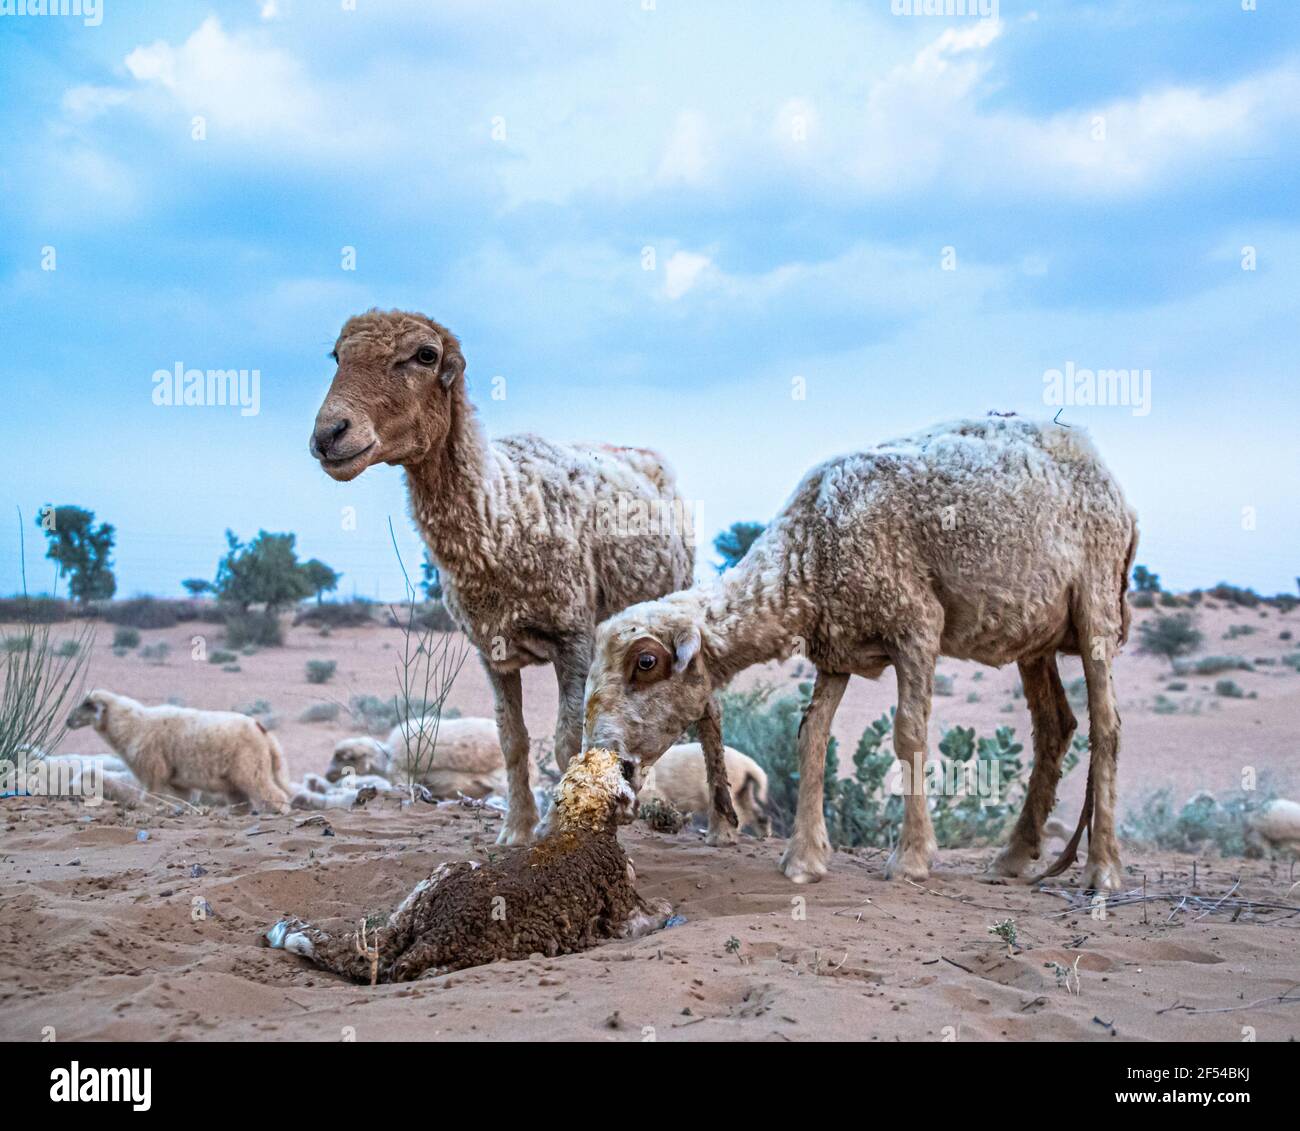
x=687 y=646
x=453 y=364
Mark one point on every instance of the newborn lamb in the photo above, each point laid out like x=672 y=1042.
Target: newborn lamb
x=563 y=894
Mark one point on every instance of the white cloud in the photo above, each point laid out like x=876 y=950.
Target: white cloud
x=682 y=271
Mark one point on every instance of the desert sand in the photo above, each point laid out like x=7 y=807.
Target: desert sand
x=107 y=934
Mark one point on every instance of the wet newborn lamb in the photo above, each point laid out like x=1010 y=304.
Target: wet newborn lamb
x=563 y=894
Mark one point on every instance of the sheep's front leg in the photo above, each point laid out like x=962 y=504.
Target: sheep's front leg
x=807 y=856
x=521 y=814
x=722 y=815
x=1096 y=637
x=917 y=844
x=571 y=667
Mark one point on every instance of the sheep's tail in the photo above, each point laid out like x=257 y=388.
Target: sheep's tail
x=1125 y=614
x=1071 y=851
x=279 y=774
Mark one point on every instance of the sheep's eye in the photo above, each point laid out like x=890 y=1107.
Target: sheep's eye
x=646 y=661
x=426 y=355
x=629 y=770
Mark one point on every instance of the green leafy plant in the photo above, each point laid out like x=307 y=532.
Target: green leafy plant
x=321 y=671
x=1169 y=636
x=82 y=550
x=126 y=638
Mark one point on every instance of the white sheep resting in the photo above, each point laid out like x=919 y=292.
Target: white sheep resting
x=1276 y=824
x=458 y=756
x=680 y=777
x=992 y=540
x=177 y=750
x=535 y=542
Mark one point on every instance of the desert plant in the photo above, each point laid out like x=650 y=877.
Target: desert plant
x=1202 y=822
x=734 y=542
x=82 y=550
x=41 y=682
x=1140 y=600
x=320 y=578
x=258 y=628
x=1213 y=665
x=156 y=653
x=336 y=614
x=1236 y=630
x=126 y=638
x=219 y=656
x=662 y=816
x=321 y=671
x=1169 y=636
x=68 y=648
x=320 y=713
x=1144 y=581
x=1229 y=689
x=943 y=684
x=143 y=612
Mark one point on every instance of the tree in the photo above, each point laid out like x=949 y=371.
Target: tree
x=320 y=577
x=262 y=572
x=1169 y=636
x=197 y=586
x=430 y=579
x=733 y=543
x=1144 y=581
x=82 y=550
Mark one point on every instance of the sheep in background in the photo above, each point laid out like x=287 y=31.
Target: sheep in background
x=563 y=894
x=178 y=750
x=466 y=760
x=1276 y=825
x=680 y=778
x=529 y=537
x=991 y=540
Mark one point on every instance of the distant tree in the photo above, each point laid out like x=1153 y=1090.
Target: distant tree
x=734 y=543
x=1144 y=581
x=320 y=577
x=82 y=549
x=265 y=571
x=197 y=586
x=430 y=579
x=1169 y=636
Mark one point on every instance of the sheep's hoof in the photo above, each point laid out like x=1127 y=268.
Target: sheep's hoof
x=1103 y=875
x=912 y=864
x=804 y=864
x=722 y=836
x=1012 y=859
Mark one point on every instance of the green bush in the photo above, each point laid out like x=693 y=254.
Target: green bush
x=1169 y=636
x=336 y=614
x=1239 y=630
x=259 y=628
x=142 y=612
x=37 y=610
x=68 y=648
x=156 y=653
x=1229 y=689
x=943 y=684
x=126 y=638
x=218 y=656
x=1203 y=822
x=1213 y=665
x=1142 y=600
x=1235 y=595
x=14 y=644
x=320 y=713
x=321 y=671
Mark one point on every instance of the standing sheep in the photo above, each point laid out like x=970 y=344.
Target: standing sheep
x=177 y=750
x=990 y=540
x=466 y=759
x=561 y=895
x=680 y=777
x=535 y=542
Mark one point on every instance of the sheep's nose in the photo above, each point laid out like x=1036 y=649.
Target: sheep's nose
x=327 y=435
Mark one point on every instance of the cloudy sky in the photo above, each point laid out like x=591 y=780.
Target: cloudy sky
x=657 y=221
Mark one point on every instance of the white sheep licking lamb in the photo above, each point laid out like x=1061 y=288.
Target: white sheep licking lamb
x=178 y=750
x=680 y=777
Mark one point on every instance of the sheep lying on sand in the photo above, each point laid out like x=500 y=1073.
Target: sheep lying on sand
x=680 y=777
x=562 y=894
x=177 y=750
x=1276 y=824
x=316 y=792
x=466 y=760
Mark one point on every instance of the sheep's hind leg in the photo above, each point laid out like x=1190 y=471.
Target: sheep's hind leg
x=917 y=845
x=521 y=815
x=807 y=856
x=571 y=668
x=1053 y=724
x=1097 y=638
x=723 y=823
x=339 y=953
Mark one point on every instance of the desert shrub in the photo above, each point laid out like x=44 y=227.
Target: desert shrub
x=336 y=614
x=1213 y=665
x=219 y=656
x=156 y=653
x=1229 y=689
x=1235 y=595
x=430 y=616
x=36 y=610
x=17 y=643
x=255 y=709
x=68 y=648
x=141 y=612
x=321 y=671
x=1169 y=636
x=1076 y=691
x=248 y=627
x=1175 y=685
x=1142 y=600
x=662 y=816
x=1284 y=602
x=126 y=638
x=943 y=684
x=1236 y=630
x=1172 y=601
x=1163 y=705
x=1284 y=636
x=320 y=713
x=1292 y=660
x=1203 y=822
x=231 y=668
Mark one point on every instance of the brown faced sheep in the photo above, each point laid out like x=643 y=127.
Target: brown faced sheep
x=457 y=756
x=178 y=750
x=530 y=537
x=990 y=540
x=563 y=894
x=680 y=777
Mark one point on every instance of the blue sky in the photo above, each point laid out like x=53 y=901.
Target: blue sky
x=798 y=170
